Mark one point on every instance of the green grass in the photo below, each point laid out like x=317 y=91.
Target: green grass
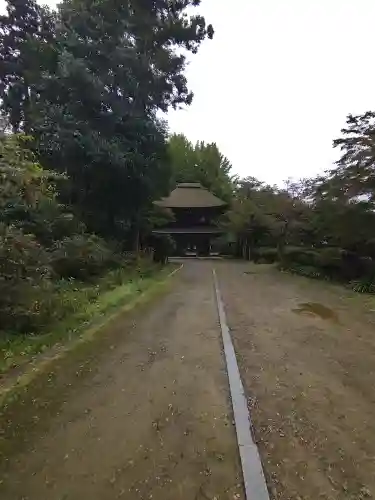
x=82 y=307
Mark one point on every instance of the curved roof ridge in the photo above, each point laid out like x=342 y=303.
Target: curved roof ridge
x=190 y=195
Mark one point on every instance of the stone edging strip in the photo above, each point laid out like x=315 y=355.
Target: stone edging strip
x=252 y=471
x=30 y=375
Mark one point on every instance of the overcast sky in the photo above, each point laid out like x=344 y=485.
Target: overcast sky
x=275 y=84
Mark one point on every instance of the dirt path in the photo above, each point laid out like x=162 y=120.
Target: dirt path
x=307 y=356
x=147 y=416
x=152 y=420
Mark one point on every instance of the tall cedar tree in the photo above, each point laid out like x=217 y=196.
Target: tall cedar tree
x=117 y=68
x=26 y=52
x=117 y=64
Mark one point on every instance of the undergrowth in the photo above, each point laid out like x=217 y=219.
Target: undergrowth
x=78 y=306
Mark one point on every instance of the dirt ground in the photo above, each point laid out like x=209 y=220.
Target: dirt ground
x=306 y=351
x=147 y=415
x=150 y=418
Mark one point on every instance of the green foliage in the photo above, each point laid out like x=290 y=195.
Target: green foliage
x=118 y=64
x=265 y=255
x=81 y=256
x=87 y=83
x=32 y=223
x=28 y=197
x=330 y=260
x=263 y=215
x=164 y=246
x=300 y=255
x=201 y=163
x=24 y=280
x=26 y=52
x=75 y=307
x=331 y=263
x=354 y=175
x=24 y=184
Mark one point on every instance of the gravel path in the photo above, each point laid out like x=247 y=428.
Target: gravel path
x=306 y=352
x=147 y=415
x=151 y=419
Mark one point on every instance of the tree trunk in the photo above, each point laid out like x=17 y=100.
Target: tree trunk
x=250 y=246
x=281 y=244
x=136 y=240
x=135 y=234
x=244 y=249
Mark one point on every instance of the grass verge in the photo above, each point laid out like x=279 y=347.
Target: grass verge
x=90 y=306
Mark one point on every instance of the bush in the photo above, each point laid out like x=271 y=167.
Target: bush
x=265 y=255
x=82 y=257
x=343 y=265
x=299 y=255
x=330 y=261
x=292 y=255
x=24 y=280
x=356 y=267
x=164 y=246
x=314 y=263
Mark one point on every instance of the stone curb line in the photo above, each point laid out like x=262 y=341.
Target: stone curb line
x=252 y=471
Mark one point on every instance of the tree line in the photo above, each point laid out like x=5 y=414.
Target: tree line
x=322 y=227
x=87 y=83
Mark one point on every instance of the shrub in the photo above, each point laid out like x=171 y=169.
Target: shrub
x=343 y=265
x=356 y=267
x=265 y=255
x=28 y=198
x=81 y=257
x=164 y=246
x=330 y=261
x=299 y=255
x=24 y=280
x=292 y=255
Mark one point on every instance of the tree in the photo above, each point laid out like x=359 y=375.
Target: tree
x=183 y=159
x=117 y=66
x=40 y=241
x=248 y=219
x=28 y=196
x=157 y=28
x=200 y=163
x=262 y=215
x=355 y=174
x=87 y=83
x=26 y=52
x=343 y=199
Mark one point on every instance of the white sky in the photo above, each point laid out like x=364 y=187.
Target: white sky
x=275 y=85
